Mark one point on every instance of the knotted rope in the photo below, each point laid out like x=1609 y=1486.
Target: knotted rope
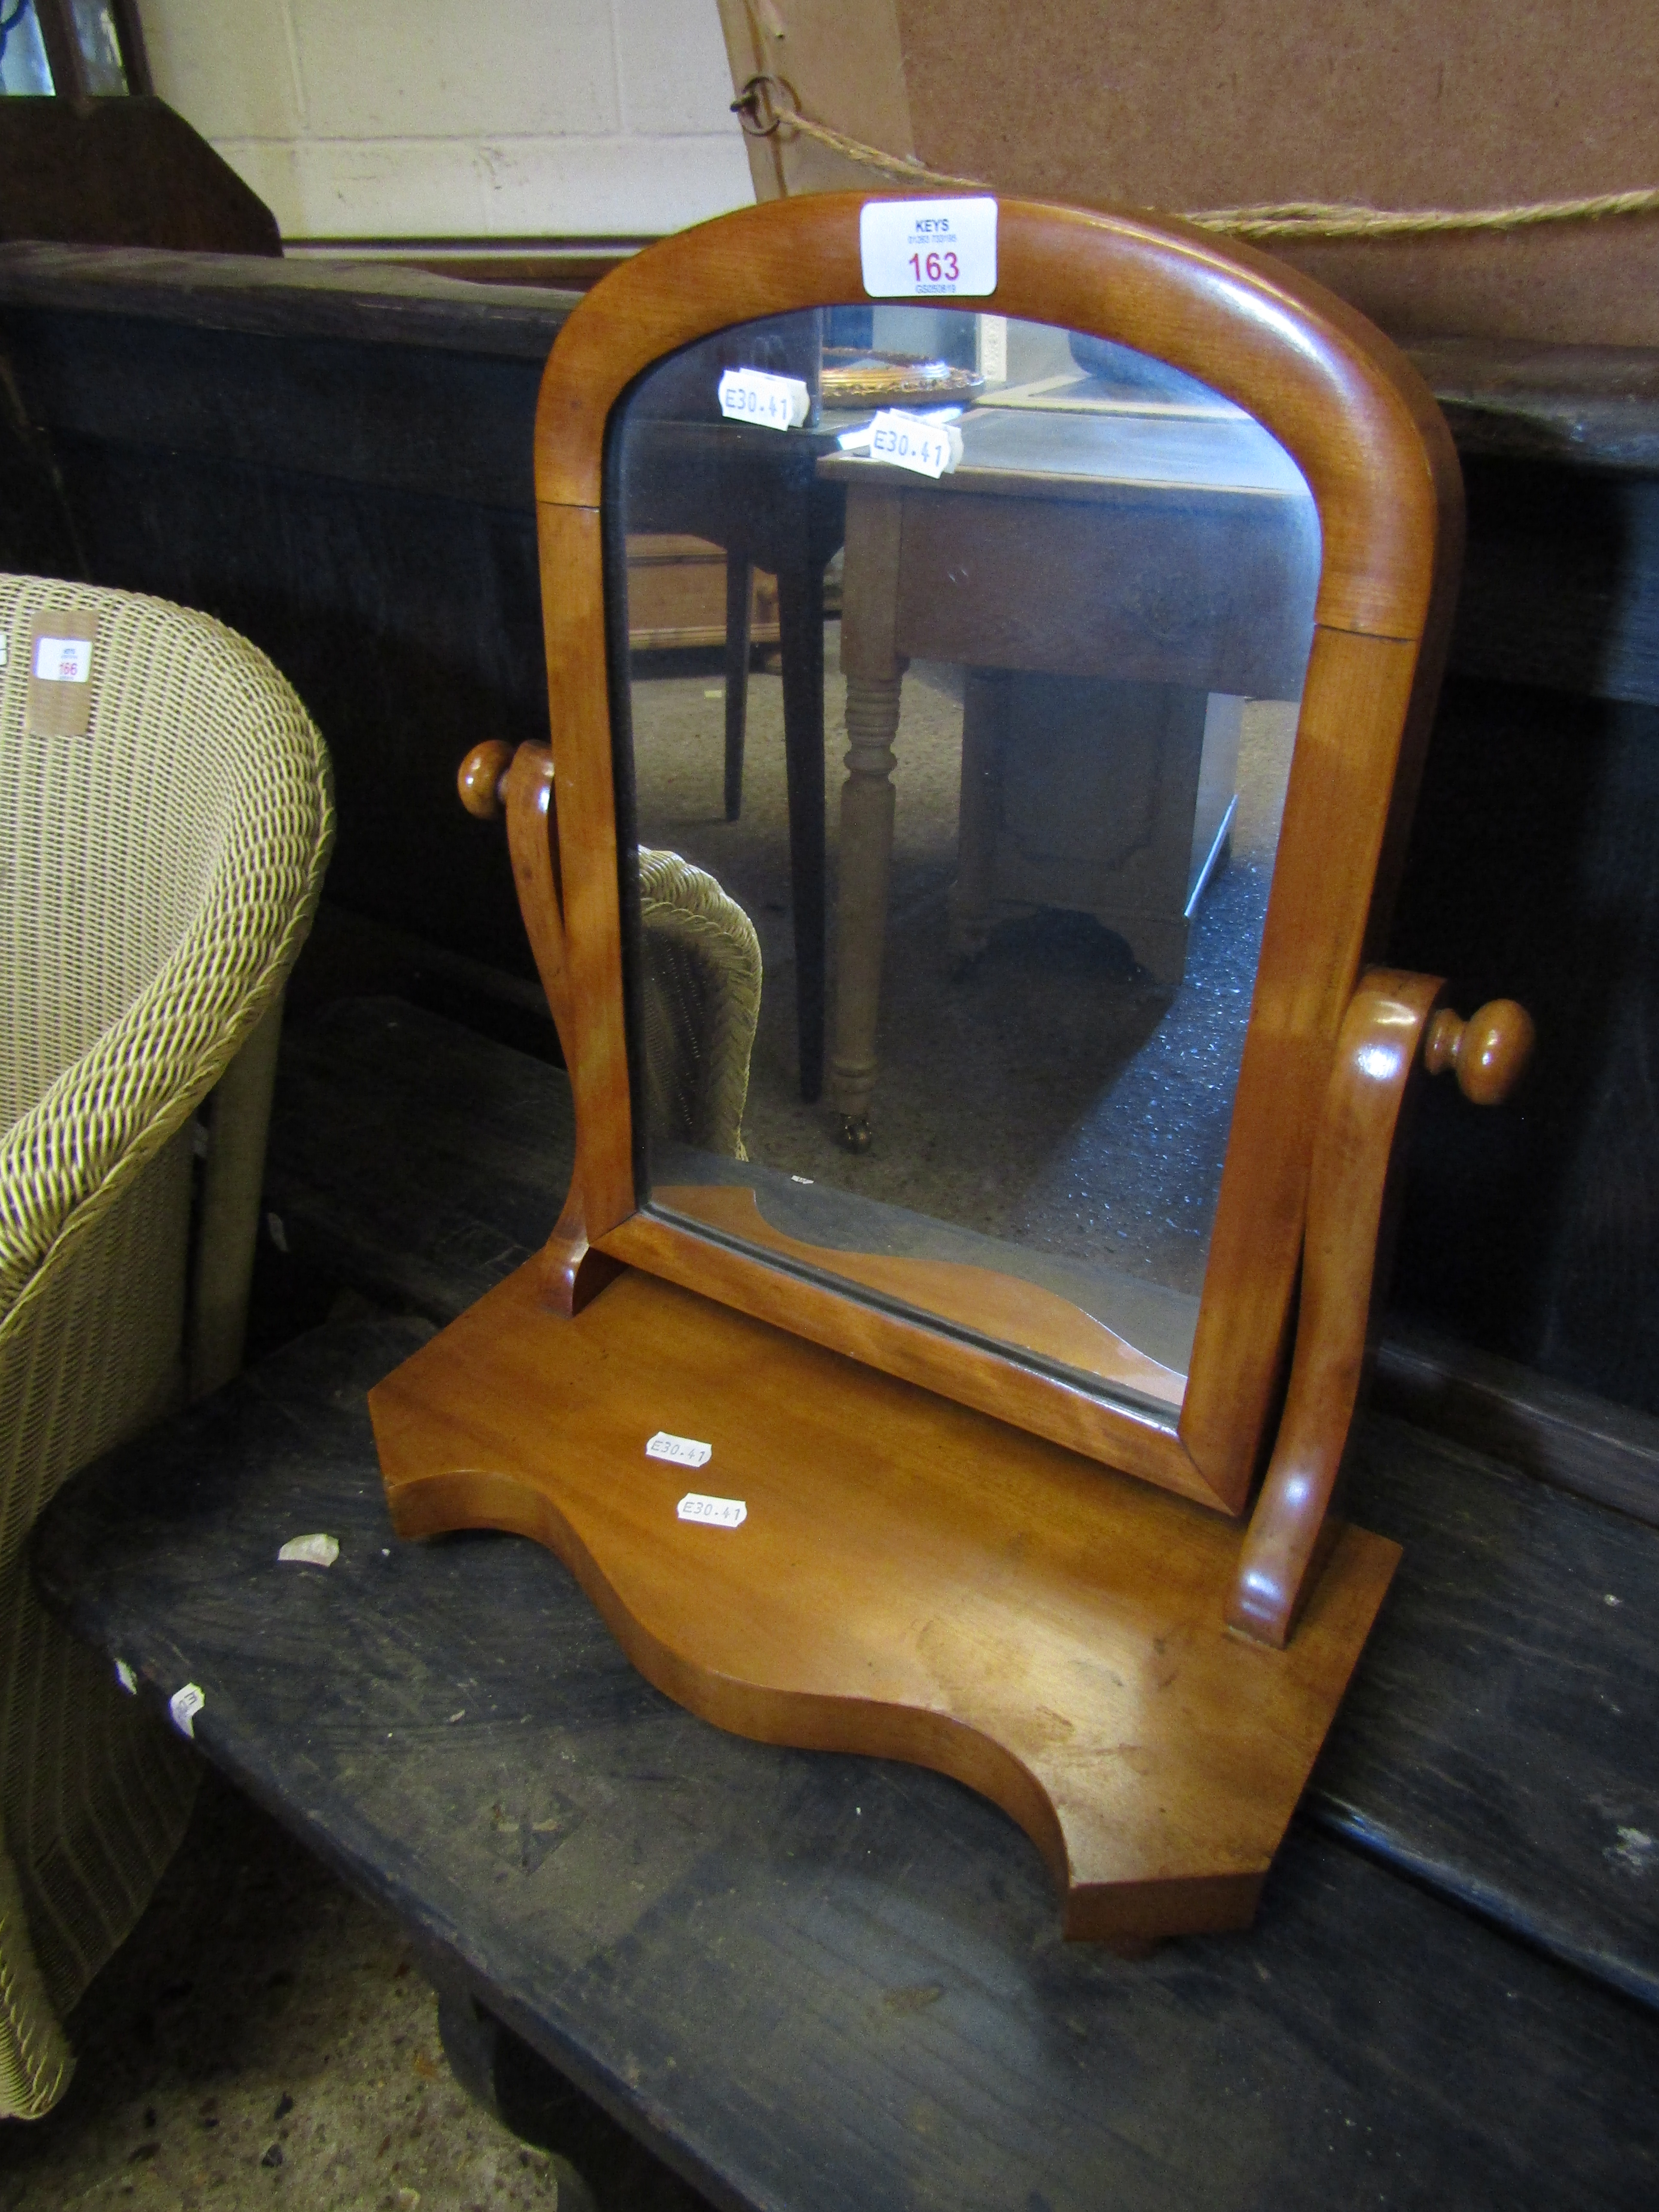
x=762 y=110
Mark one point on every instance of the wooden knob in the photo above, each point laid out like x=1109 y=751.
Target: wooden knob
x=1487 y=1053
x=479 y=778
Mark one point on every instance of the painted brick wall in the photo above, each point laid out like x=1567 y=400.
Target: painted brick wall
x=434 y=118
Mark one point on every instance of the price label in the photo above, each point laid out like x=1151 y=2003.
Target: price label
x=63 y=660
x=754 y=395
x=713 y=1512
x=309 y=1551
x=928 y=249
x=932 y=449
x=679 y=1451
x=183 y=1705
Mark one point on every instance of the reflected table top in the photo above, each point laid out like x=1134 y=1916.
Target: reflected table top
x=1043 y=452
x=1154 y=546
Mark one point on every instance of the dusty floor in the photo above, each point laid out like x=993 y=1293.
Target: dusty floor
x=265 y=2039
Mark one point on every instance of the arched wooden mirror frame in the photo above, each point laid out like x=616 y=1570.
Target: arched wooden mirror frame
x=1378 y=459
x=1139 y=1683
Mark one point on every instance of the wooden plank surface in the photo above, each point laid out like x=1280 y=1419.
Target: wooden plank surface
x=375 y=302
x=806 y=1980
x=1599 y=1450
x=1498 y=1738
x=1596 y=407
x=1497 y=1742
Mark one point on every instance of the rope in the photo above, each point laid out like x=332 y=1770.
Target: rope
x=1286 y=218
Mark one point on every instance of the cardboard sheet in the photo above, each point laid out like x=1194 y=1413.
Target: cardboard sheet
x=1183 y=103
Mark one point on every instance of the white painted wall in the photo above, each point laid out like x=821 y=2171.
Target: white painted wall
x=460 y=119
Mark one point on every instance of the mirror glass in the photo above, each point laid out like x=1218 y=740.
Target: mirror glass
x=961 y=663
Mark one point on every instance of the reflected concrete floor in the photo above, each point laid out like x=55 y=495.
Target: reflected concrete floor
x=1051 y=1095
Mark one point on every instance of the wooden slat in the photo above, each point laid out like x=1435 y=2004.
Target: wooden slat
x=367 y=302
x=1595 y=406
x=1605 y=1452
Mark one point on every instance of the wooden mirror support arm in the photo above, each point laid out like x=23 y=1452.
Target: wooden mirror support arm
x=494 y=780
x=1395 y=1030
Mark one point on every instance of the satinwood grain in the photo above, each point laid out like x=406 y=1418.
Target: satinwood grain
x=910 y=1579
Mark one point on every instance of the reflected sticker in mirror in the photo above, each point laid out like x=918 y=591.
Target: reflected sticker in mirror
x=928 y=449
x=752 y=395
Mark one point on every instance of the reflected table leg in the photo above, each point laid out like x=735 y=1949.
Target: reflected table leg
x=801 y=624
x=874 y=669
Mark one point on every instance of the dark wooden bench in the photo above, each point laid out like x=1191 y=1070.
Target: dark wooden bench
x=807 y=1980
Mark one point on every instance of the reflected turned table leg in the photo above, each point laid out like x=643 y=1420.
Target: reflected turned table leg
x=874 y=669
x=800 y=619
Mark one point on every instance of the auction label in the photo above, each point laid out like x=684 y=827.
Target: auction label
x=932 y=449
x=928 y=249
x=183 y=1705
x=713 y=1512
x=754 y=395
x=679 y=1451
x=63 y=660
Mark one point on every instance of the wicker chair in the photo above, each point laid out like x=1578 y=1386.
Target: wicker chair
x=703 y=987
x=157 y=875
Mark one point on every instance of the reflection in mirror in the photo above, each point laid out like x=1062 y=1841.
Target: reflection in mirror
x=1034 y=610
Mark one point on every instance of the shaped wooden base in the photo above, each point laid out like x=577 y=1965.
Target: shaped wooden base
x=911 y=1579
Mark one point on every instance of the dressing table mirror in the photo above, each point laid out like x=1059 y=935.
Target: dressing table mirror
x=950 y=1342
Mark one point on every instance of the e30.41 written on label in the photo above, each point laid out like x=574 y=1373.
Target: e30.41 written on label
x=754 y=395
x=903 y=441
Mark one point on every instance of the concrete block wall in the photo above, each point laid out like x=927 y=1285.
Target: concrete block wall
x=430 y=118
